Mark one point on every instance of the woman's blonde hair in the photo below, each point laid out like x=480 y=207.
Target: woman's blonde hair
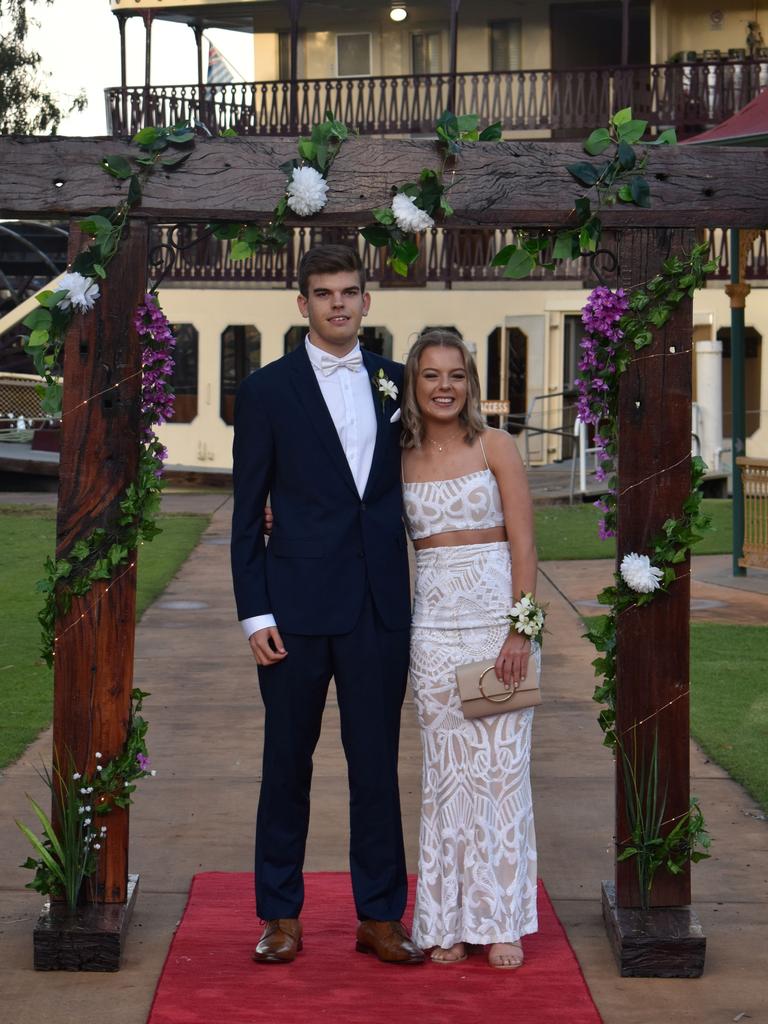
x=470 y=416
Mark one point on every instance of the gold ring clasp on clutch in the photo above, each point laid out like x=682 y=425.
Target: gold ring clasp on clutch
x=495 y=700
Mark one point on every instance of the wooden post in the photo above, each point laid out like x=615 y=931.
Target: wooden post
x=294 y=9
x=121 y=16
x=453 y=49
x=653 y=642
x=198 y=30
x=93 y=667
x=147 y=64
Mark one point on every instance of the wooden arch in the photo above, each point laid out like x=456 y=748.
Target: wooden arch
x=506 y=184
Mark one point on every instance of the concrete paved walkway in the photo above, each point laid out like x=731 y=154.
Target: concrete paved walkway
x=197 y=815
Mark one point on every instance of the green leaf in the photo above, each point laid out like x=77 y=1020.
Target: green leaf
x=632 y=131
x=641 y=192
x=467 y=122
x=240 y=250
x=583 y=208
x=117 y=166
x=176 y=158
x=376 y=234
x=667 y=137
x=228 y=133
x=145 y=136
x=96 y=225
x=224 y=230
x=598 y=142
x=134 y=190
x=492 y=133
x=399 y=266
x=584 y=173
x=503 y=256
x=307 y=149
x=37 y=339
x=625 y=194
x=626 y=156
x=38 y=319
x=622 y=116
x=563 y=247
x=520 y=264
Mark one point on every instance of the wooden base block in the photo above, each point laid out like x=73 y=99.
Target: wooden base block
x=664 y=942
x=91 y=939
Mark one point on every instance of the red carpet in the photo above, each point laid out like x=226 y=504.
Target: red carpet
x=209 y=977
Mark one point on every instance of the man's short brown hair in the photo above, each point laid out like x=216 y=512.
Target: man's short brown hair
x=329 y=259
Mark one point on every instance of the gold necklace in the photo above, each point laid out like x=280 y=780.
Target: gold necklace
x=442 y=446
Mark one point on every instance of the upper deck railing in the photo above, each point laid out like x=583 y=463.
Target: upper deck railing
x=687 y=96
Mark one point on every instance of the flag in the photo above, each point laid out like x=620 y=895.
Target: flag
x=219 y=69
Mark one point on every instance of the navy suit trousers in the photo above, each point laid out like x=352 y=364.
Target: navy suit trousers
x=369 y=666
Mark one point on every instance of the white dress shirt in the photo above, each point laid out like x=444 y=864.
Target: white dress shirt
x=349 y=398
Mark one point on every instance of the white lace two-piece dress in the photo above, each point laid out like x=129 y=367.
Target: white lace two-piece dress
x=477 y=859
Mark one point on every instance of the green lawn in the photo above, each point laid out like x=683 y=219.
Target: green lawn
x=729 y=700
x=570 y=531
x=26 y=537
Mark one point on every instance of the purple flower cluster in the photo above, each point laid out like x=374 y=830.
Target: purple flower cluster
x=157 y=399
x=143 y=762
x=597 y=380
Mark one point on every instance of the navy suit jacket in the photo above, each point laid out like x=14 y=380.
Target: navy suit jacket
x=327 y=545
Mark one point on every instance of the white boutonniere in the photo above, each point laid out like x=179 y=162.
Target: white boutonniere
x=385 y=387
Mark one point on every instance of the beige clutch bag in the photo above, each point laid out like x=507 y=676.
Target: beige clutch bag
x=481 y=693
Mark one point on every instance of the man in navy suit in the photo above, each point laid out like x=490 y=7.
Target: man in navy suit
x=317 y=431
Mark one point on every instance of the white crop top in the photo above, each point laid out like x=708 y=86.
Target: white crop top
x=469 y=502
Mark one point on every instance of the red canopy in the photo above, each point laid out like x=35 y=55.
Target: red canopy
x=748 y=127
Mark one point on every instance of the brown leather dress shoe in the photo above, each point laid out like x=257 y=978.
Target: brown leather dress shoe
x=280 y=942
x=389 y=941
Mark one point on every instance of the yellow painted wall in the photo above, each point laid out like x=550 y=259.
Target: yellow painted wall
x=476 y=313
x=686 y=25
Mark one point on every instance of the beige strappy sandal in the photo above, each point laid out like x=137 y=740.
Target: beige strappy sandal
x=504 y=961
x=437 y=959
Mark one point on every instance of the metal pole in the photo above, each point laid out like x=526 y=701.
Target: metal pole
x=737 y=291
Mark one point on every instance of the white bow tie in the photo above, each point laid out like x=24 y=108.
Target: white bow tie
x=329 y=364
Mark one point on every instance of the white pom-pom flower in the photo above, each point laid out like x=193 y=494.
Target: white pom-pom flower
x=638 y=573
x=307 y=191
x=82 y=292
x=408 y=216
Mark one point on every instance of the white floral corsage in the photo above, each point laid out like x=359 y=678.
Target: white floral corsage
x=527 y=618
x=385 y=387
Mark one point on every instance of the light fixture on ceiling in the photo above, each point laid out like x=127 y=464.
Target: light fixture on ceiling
x=398 y=12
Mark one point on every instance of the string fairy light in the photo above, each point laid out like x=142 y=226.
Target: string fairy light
x=90 y=608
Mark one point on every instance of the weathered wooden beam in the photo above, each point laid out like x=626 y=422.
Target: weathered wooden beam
x=507 y=183
x=654 y=480
x=91 y=939
x=93 y=668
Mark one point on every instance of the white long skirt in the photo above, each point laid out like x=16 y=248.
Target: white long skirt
x=477 y=857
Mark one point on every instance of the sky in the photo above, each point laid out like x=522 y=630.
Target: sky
x=79 y=43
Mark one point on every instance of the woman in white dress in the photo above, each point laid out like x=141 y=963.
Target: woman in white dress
x=468 y=511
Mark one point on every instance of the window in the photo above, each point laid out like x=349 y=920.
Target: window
x=240 y=356
x=184 y=379
x=505 y=45
x=507 y=376
x=426 y=57
x=353 y=54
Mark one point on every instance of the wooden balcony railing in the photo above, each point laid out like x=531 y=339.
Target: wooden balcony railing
x=689 y=97
x=754 y=478
x=448 y=256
